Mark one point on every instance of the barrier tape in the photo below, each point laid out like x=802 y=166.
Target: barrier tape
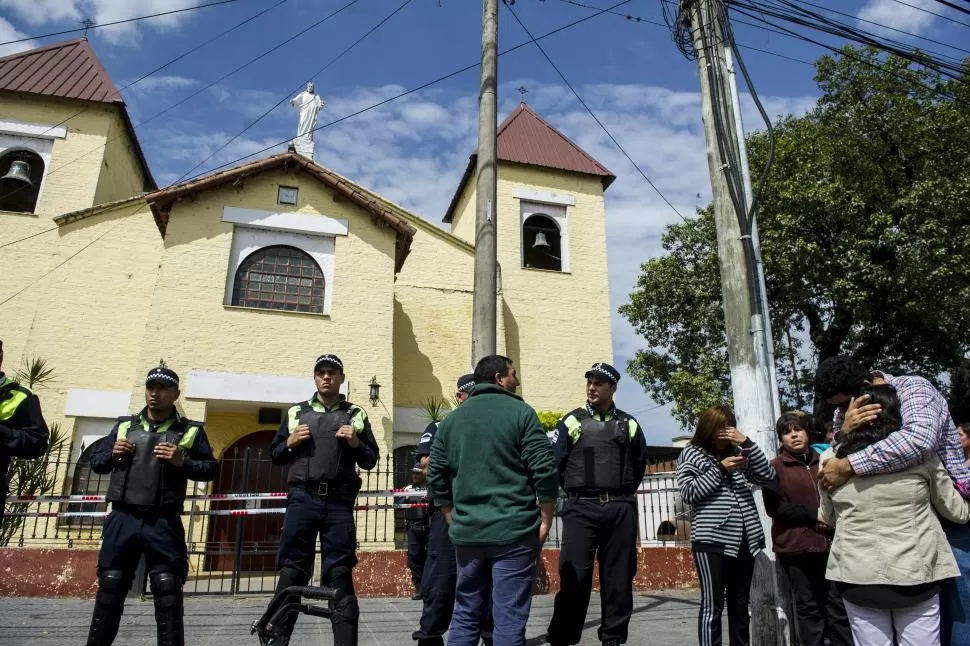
x=211 y=512
x=273 y=495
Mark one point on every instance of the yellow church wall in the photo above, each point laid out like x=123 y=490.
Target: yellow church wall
x=73 y=174
x=190 y=326
x=463 y=218
x=85 y=298
x=432 y=317
x=558 y=324
x=121 y=172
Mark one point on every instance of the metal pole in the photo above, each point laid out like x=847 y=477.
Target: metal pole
x=750 y=380
x=237 y=547
x=485 y=301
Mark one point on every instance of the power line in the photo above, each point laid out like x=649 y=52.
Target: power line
x=206 y=87
x=287 y=95
x=85 y=28
x=422 y=86
x=954 y=6
x=932 y=13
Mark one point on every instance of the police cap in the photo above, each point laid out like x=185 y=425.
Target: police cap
x=465 y=383
x=162 y=376
x=331 y=360
x=603 y=371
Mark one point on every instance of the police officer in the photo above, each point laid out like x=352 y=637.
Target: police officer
x=416 y=517
x=23 y=431
x=150 y=456
x=441 y=569
x=601 y=453
x=324 y=440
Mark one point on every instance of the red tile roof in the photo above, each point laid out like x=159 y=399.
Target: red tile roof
x=526 y=138
x=69 y=70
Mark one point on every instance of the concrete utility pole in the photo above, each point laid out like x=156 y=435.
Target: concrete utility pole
x=744 y=317
x=485 y=301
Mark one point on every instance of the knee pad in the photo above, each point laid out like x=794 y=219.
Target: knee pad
x=340 y=577
x=345 y=610
x=112 y=587
x=291 y=576
x=166 y=589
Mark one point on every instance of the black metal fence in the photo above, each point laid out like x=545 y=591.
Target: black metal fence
x=232 y=525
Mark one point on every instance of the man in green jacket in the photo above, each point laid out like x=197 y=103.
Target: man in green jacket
x=493 y=475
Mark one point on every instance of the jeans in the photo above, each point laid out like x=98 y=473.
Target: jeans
x=503 y=574
x=955 y=597
x=818 y=605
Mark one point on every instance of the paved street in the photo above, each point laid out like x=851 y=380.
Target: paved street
x=663 y=617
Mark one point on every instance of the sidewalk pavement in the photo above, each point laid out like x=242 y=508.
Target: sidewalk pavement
x=660 y=617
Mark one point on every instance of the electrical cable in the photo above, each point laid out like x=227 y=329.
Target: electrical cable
x=932 y=13
x=288 y=94
x=954 y=6
x=422 y=86
x=591 y=113
x=119 y=22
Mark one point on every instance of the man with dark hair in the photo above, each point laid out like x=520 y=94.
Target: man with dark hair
x=23 y=431
x=323 y=440
x=441 y=569
x=150 y=456
x=493 y=475
x=927 y=429
x=601 y=454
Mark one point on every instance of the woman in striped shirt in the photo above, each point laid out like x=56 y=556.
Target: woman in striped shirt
x=714 y=474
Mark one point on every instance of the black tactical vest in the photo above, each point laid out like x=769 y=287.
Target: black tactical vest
x=323 y=457
x=600 y=460
x=141 y=478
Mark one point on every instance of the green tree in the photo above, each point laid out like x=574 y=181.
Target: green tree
x=863 y=225
x=32 y=477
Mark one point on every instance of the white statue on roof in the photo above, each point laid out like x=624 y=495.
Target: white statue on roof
x=309 y=105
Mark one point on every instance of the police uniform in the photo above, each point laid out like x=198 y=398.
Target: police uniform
x=602 y=459
x=441 y=569
x=417 y=519
x=146 y=494
x=23 y=431
x=323 y=485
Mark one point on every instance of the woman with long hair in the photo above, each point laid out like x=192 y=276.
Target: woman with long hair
x=889 y=555
x=714 y=475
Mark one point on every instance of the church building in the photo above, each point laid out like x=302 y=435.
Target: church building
x=240 y=278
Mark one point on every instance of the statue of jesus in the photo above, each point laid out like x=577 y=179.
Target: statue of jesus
x=309 y=105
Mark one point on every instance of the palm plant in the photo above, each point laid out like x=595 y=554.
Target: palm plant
x=32 y=477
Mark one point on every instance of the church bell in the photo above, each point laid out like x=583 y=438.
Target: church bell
x=540 y=241
x=19 y=173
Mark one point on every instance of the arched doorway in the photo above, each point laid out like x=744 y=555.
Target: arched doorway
x=246 y=467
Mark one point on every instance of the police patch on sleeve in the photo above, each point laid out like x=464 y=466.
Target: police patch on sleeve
x=554 y=436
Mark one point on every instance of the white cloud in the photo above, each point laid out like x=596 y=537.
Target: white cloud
x=414 y=150
x=46 y=12
x=161 y=83
x=8 y=33
x=898 y=16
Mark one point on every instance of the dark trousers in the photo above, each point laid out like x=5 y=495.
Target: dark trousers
x=417 y=549
x=717 y=573
x=438 y=586
x=158 y=534
x=818 y=605
x=607 y=532
x=331 y=519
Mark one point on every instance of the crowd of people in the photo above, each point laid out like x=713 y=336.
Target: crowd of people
x=868 y=515
x=868 y=509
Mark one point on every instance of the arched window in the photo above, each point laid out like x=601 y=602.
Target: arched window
x=541 y=243
x=16 y=194
x=279 y=278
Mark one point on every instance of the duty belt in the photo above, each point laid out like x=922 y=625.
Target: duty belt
x=324 y=489
x=603 y=496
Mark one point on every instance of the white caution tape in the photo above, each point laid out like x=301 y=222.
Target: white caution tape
x=210 y=512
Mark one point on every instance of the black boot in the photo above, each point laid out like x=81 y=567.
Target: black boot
x=109 y=605
x=167 y=594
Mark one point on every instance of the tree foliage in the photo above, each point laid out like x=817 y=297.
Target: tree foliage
x=864 y=229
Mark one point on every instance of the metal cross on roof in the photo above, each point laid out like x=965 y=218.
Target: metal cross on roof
x=87 y=23
x=522 y=90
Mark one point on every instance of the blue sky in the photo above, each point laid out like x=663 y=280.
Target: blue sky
x=413 y=149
